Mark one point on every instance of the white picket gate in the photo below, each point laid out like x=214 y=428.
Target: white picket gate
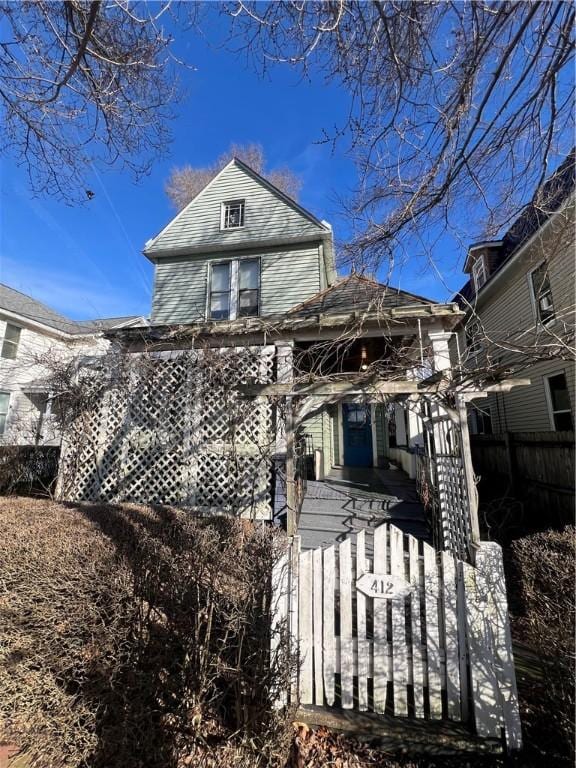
x=405 y=632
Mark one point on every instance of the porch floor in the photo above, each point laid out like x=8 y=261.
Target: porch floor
x=350 y=499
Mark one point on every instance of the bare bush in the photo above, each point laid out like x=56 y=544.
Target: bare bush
x=542 y=584
x=136 y=636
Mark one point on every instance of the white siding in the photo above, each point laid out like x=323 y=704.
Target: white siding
x=28 y=371
x=267 y=215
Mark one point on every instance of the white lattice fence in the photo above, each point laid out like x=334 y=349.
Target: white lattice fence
x=173 y=429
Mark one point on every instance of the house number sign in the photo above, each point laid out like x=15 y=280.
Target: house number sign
x=383 y=585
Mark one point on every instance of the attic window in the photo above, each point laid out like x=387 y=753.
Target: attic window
x=479 y=273
x=542 y=294
x=232 y=216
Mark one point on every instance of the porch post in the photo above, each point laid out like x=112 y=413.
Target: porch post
x=285 y=443
x=440 y=351
x=469 y=471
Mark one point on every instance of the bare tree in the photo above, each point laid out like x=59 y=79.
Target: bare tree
x=458 y=111
x=83 y=83
x=185 y=183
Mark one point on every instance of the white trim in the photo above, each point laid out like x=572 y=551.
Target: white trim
x=479 y=261
x=534 y=299
x=340 y=435
x=549 y=403
x=374 y=441
x=494 y=277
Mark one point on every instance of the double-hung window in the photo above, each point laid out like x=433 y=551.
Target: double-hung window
x=234 y=289
x=11 y=341
x=542 y=293
x=220 y=289
x=248 y=287
x=479 y=273
x=559 y=403
x=4 y=406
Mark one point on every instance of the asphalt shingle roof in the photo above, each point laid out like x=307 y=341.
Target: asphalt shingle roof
x=20 y=303
x=356 y=294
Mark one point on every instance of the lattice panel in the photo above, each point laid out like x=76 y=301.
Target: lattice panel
x=177 y=431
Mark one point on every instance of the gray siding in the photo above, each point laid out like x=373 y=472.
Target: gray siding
x=267 y=215
x=287 y=278
x=508 y=314
x=180 y=291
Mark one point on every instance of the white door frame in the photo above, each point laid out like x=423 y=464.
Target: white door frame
x=341 y=433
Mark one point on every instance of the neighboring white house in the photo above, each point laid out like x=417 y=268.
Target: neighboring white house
x=32 y=334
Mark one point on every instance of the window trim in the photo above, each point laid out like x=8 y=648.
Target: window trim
x=551 y=411
x=234 y=287
x=479 y=260
x=6 y=341
x=258 y=260
x=238 y=201
x=534 y=298
x=7 y=412
x=209 y=291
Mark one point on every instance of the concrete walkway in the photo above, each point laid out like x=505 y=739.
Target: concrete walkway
x=353 y=498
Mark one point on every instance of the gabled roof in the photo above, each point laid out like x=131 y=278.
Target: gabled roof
x=19 y=303
x=356 y=293
x=187 y=232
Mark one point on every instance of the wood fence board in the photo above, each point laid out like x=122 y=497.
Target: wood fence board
x=485 y=698
x=347 y=664
x=279 y=608
x=415 y=602
x=380 y=624
x=489 y=562
x=317 y=622
x=431 y=587
x=451 y=635
x=400 y=651
x=293 y=617
x=363 y=650
x=306 y=628
x=329 y=630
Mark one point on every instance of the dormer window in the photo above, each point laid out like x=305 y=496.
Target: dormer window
x=232 y=215
x=479 y=273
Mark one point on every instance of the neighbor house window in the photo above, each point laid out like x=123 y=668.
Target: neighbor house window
x=232 y=216
x=220 y=291
x=480 y=420
x=479 y=273
x=248 y=287
x=11 y=341
x=4 y=405
x=559 y=403
x=542 y=294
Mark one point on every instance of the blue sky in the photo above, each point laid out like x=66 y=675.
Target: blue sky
x=86 y=261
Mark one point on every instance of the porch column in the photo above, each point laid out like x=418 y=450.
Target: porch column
x=400 y=420
x=440 y=350
x=285 y=442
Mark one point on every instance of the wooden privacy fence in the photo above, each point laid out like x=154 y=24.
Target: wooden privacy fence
x=383 y=624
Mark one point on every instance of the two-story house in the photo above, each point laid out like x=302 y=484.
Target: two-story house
x=520 y=316
x=34 y=339
x=244 y=269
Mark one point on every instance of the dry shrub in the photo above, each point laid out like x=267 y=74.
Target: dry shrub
x=541 y=580
x=132 y=636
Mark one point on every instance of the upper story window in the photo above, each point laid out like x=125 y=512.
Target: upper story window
x=11 y=341
x=234 y=289
x=232 y=214
x=220 y=289
x=542 y=293
x=559 y=402
x=248 y=287
x=479 y=273
x=4 y=406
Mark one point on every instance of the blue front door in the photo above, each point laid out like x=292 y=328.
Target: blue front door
x=357 y=429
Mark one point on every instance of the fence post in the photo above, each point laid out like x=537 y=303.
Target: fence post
x=511 y=459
